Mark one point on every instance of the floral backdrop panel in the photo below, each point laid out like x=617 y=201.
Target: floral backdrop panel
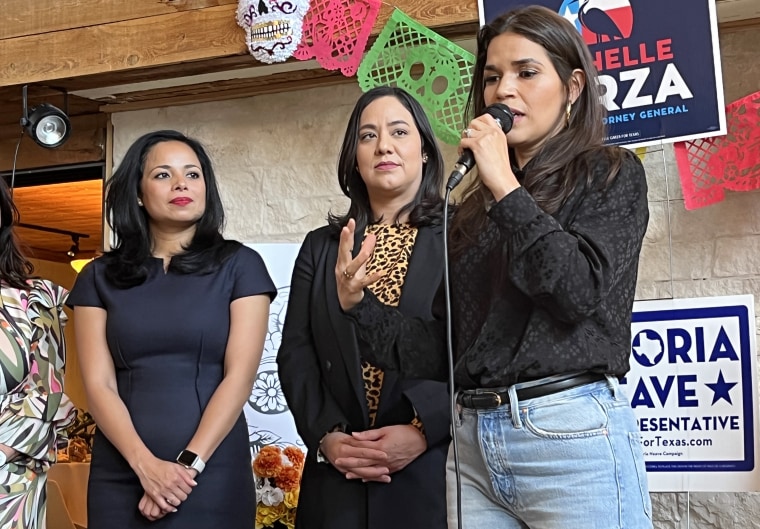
x=267 y=413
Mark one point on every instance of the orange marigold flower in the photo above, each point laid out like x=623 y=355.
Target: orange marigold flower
x=288 y=478
x=296 y=456
x=268 y=461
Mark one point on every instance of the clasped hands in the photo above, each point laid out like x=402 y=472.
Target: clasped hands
x=166 y=484
x=374 y=455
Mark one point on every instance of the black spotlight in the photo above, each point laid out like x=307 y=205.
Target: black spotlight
x=49 y=126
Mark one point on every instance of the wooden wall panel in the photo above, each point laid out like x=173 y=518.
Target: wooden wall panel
x=25 y=17
x=138 y=43
x=737 y=10
x=169 y=39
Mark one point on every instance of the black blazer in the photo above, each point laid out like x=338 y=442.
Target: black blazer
x=320 y=372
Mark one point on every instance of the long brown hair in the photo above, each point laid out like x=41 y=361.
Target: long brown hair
x=427 y=206
x=14 y=267
x=557 y=169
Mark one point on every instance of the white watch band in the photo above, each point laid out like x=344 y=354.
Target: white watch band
x=198 y=465
x=189 y=459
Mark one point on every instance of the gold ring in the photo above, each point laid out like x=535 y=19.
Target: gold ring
x=347 y=275
x=467 y=133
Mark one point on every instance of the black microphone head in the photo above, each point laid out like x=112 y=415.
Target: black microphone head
x=502 y=114
x=504 y=118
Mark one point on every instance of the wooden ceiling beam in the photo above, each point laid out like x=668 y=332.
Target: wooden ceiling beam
x=225 y=90
x=12 y=102
x=132 y=44
x=22 y=17
x=165 y=40
x=738 y=25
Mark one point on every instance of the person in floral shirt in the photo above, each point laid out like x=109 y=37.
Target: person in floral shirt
x=34 y=411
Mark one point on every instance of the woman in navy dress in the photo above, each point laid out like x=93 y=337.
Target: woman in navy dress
x=170 y=328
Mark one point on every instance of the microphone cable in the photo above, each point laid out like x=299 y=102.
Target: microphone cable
x=13 y=170
x=504 y=118
x=450 y=355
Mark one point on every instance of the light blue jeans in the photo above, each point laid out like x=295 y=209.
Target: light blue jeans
x=570 y=460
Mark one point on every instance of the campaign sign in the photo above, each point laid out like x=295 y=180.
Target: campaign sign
x=693 y=388
x=659 y=64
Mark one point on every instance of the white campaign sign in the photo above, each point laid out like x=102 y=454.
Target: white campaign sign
x=693 y=388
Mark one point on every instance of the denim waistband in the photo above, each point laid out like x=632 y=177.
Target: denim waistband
x=485 y=398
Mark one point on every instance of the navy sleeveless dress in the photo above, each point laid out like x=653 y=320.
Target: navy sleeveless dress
x=167 y=338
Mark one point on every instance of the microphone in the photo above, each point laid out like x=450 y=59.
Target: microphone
x=504 y=118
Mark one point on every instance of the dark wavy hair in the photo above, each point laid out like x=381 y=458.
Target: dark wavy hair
x=427 y=206
x=127 y=262
x=15 y=270
x=558 y=168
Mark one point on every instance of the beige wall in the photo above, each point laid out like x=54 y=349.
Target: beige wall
x=275 y=157
x=741 y=69
x=63 y=275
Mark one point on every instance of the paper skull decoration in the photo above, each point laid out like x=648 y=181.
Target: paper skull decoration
x=273 y=28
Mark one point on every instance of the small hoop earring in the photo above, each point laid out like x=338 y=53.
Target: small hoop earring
x=567 y=113
x=139 y=202
x=424 y=158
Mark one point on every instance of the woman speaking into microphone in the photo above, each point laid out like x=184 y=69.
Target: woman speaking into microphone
x=544 y=255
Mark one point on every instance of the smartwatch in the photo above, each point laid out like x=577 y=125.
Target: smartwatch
x=321 y=458
x=189 y=459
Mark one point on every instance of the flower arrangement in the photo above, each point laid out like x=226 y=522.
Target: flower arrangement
x=80 y=432
x=278 y=479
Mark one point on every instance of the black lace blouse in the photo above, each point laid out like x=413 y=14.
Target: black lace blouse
x=537 y=295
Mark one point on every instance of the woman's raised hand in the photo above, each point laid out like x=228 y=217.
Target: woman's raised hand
x=485 y=138
x=351 y=272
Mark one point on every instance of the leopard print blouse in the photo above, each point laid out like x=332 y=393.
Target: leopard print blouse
x=392 y=251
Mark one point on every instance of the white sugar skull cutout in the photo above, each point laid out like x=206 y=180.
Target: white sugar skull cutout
x=273 y=27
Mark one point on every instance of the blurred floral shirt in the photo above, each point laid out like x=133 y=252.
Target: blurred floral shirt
x=34 y=411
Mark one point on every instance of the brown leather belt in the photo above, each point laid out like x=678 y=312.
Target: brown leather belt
x=484 y=398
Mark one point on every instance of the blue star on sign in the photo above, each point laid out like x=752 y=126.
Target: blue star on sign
x=721 y=389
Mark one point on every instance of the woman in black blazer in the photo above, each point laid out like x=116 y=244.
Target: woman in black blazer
x=377 y=443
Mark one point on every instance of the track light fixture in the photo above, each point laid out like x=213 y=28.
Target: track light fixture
x=47 y=125
x=73 y=250
x=74 y=247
